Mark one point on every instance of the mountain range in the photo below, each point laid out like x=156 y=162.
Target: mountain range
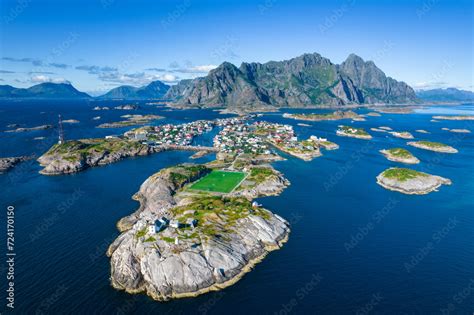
x=43 y=90
x=299 y=82
x=154 y=90
x=446 y=95
x=304 y=81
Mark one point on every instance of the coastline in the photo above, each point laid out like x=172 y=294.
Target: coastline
x=158 y=196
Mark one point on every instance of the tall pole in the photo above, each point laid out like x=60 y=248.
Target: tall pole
x=61 y=132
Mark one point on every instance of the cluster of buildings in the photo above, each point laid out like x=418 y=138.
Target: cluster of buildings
x=162 y=223
x=346 y=129
x=171 y=134
x=240 y=138
x=284 y=137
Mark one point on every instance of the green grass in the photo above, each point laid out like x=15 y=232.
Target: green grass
x=357 y=131
x=402 y=174
x=167 y=239
x=219 y=181
x=432 y=144
x=150 y=239
x=399 y=152
x=141 y=233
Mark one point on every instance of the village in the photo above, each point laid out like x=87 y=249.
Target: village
x=237 y=135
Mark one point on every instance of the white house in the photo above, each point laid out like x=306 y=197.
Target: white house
x=174 y=224
x=191 y=222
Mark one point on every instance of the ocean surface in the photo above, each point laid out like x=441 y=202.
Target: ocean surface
x=354 y=247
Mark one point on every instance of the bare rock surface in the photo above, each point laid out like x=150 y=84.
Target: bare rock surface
x=165 y=270
x=418 y=184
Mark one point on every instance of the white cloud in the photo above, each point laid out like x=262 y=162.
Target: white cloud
x=204 y=68
x=138 y=78
x=167 y=77
x=43 y=78
x=429 y=85
x=196 y=69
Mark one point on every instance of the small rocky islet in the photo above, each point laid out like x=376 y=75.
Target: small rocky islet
x=402 y=134
x=353 y=132
x=400 y=155
x=8 y=163
x=337 y=115
x=433 y=146
x=26 y=129
x=454 y=117
x=131 y=120
x=411 y=182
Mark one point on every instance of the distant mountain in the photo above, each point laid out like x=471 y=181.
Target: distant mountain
x=43 y=90
x=446 y=95
x=178 y=90
x=154 y=90
x=299 y=82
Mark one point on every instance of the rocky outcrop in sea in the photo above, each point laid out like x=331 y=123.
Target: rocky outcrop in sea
x=164 y=267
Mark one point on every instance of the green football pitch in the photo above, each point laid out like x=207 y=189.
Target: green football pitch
x=219 y=181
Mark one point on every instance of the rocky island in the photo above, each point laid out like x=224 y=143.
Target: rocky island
x=422 y=131
x=127 y=107
x=433 y=146
x=25 y=129
x=400 y=155
x=76 y=155
x=193 y=233
x=347 y=131
x=411 y=182
x=457 y=130
x=337 y=115
x=9 y=162
x=131 y=120
x=458 y=117
x=71 y=121
x=402 y=134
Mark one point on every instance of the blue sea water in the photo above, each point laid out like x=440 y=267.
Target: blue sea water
x=354 y=247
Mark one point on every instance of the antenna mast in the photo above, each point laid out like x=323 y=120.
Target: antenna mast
x=61 y=131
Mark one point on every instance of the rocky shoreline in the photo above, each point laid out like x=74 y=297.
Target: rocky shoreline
x=359 y=133
x=460 y=117
x=432 y=146
x=337 y=115
x=25 y=129
x=77 y=156
x=201 y=263
x=401 y=134
x=410 y=182
x=400 y=155
x=9 y=162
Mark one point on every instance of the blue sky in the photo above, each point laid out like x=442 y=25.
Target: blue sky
x=100 y=44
